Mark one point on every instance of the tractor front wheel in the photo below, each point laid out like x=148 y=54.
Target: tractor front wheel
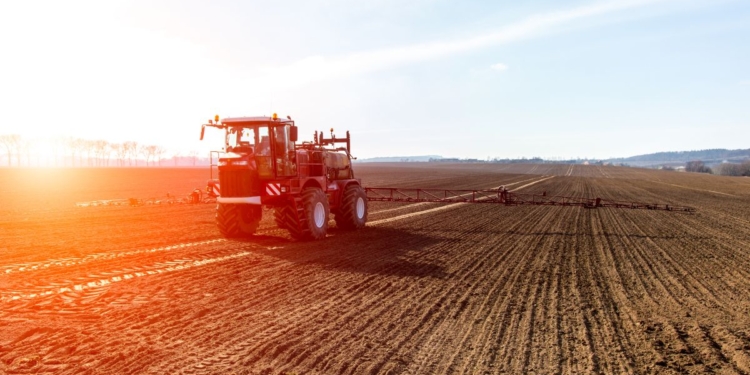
x=316 y=212
x=352 y=213
x=313 y=212
x=238 y=220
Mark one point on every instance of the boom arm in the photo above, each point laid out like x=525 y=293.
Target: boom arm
x=507 y=198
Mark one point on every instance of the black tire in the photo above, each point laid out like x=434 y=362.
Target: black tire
x=352 y=213
x=237 y=220
x=314 y=215
x=285 y=216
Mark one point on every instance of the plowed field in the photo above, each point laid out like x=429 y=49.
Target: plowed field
x=424 y=289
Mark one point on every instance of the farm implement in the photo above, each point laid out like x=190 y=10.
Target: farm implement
x=263 y=165
x=506 y=197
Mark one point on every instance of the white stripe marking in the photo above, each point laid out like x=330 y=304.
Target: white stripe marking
x=273 y=189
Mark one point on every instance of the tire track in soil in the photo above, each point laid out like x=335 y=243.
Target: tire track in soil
x=70 y=291
x=75 y=261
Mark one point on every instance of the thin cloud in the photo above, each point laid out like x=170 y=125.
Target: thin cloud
x=315 y=68
x=499 y=66
x=745 y=82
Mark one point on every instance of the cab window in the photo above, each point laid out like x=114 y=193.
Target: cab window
x=263 y=142
x=284 y=152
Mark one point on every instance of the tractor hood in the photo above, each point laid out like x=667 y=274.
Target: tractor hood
x=236 y=159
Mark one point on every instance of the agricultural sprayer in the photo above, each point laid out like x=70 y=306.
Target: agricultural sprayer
x=263 y=164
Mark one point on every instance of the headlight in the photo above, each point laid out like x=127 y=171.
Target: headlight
x=223 y=163
x=239 y=162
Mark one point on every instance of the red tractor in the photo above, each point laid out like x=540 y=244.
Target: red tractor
x=304 y=183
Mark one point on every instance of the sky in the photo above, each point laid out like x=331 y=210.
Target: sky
x=469 y=79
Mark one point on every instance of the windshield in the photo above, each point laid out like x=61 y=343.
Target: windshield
x=272 y=149
x=249 y=140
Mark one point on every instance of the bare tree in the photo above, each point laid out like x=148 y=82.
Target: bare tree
x=151 y=149
x=194 y=156
x=71 y=144
x=26 y=147
x=83 y=149
x=19 y=150
x=148 y=152
x=91 y=152
x=697 y=166
x=101 y=151
x=732 y=169
x=108 y=151
x=120 y=151
x=175 y=157
x=132 y=150
x=143 y=151
x=10 y=142
x=58 y=147
x=78 y=146
x=159 y=152
x=56 y=150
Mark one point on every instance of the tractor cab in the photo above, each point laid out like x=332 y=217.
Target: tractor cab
x=265 y=143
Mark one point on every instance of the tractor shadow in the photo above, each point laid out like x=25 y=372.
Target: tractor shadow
x=383 y=251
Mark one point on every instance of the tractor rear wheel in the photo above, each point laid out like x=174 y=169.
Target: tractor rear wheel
x=238 y=220
x=313 y=212
x=352 y=213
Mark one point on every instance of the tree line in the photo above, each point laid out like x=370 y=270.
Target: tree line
x=63 y=151
x=724 y=169
x=734 y=169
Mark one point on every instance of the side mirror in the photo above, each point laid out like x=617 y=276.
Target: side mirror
x=293 y=134
x=203 y=131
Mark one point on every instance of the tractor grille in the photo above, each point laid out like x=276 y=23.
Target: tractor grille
x=238 y=183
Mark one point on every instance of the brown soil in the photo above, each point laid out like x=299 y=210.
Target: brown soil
x=424 y=289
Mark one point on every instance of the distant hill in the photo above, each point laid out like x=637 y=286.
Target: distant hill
x=674 y=158
x=712 y=156
x=391 y=159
